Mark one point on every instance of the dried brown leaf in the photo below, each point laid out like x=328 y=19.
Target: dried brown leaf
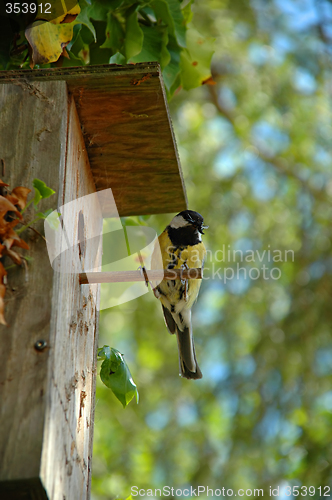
x=3 y=272
x=209 y=81
x=12 y=239
x=21 y=193
x=7 y=206
x=12 y=198
x=14 y=223
x=20 y=243
x=10 y=206
x=16 y=258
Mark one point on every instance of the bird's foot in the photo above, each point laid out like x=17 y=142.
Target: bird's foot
x=143 y=273
x=142 y=270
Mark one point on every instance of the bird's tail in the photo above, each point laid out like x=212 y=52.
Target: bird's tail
x=187 y=356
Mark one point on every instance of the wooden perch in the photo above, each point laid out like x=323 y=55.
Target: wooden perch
x=127 y=276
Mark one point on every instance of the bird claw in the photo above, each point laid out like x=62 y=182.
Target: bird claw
x=143 y=273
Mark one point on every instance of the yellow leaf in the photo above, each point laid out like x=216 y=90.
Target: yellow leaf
x=47 y=40
x=56 y=13
x=72 y=12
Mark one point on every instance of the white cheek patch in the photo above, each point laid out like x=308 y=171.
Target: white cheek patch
x=178 y=221
x=199 y=236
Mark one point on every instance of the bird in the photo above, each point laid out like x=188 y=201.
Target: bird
x=181 y=247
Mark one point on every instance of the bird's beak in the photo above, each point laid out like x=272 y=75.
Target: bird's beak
x=200 y=229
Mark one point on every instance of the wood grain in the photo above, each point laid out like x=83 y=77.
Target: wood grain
x=127 y=130
x=31 y=133
x=67 y=450
x=47 y=397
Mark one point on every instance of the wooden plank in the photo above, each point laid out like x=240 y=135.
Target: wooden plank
x=127 y=131
x=32 y=129
x=67 y=451
x=47 y=397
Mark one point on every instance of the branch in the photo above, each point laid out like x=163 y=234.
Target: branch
x=216 y=101
x=273 y=160
x=128 y=276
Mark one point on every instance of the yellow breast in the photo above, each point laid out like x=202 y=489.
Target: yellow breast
x=173 y=258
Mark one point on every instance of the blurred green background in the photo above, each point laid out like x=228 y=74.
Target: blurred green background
x=256 y=154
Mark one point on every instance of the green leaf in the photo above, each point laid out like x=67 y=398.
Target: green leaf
x=196 y=60
x=86 y=36
x=73 y=61
x=37 y=197
x=118 y=59
x=134 y=34
x=165 y=56
x=176 y=84
x=44 y=215
x=98 y=56
x=76 y=33
x=144 y=218
x=53 y=219
x=115 y=374
x=114 y=4
x=172 y=71
x=114 y=34
x=80 y=51
x=103 y=352
x=187 y=12
x=170 y=13
x=41 y=191
x=154 y=46
x=129 y=221
x=85 y=15
x=98 y=11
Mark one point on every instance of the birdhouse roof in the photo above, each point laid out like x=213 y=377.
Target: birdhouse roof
x=127 y=130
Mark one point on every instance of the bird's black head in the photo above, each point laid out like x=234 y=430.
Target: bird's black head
x=185 y=227
x=189 y=218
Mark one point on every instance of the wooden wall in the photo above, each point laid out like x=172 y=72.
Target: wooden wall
x=46 y=397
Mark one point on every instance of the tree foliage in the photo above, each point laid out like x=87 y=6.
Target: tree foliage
x=109 y=31
x=256 y=153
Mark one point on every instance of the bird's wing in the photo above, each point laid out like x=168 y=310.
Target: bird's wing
x=169 y=320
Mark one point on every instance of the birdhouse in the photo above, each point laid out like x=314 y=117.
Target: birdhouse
x=81 y=130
